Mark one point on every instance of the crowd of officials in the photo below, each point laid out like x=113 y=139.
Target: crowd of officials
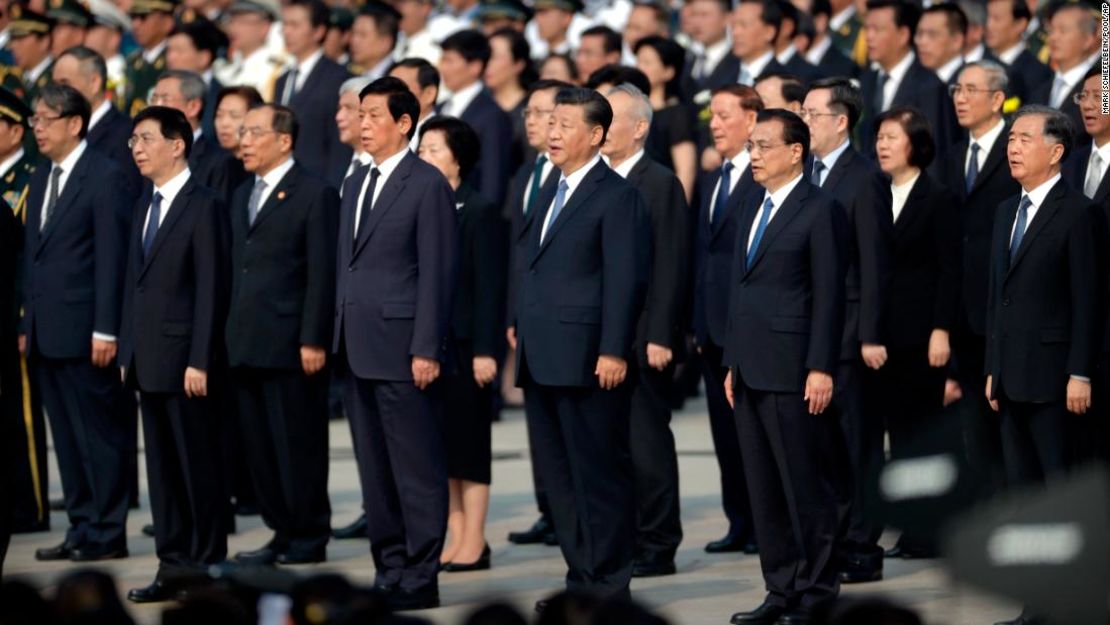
x=847 y=218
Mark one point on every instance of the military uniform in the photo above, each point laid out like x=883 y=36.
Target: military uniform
x=849 y=39
x=142 y=73
x=261 y=68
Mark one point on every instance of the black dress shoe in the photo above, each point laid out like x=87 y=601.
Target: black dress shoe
x=751 y=548
x=359 y=529
x=861 y=570
x=294 y=556
x=148 y=530
x=157 y=591
x=728 y=544
x=541 y=606
x=909 y=553
x=653 y=564
x=420 y=599
x=53 y=554
x=481 y=564
x=57 y=505
x=94 y=553
x=797 y=616
x=265 y=555
x=765 y=614
x=541 y=532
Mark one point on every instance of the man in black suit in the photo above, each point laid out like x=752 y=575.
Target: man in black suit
x=194 y=46
x=1043 y=323
x=784 y=333
x=465 y=55
x=710 y=63
x=939 y=40
x=734 y=110
x=396 y=272
x=975 y=170
x=1007 y=23
x=171 y=336
x=575 y=320
x=781 y=90
x=755 y=26
x=1073 y=38
x=283 y=229
x=786 y=52
x=832 y=108
x=74 y=260
x=660 y=332
x=899 y=78
x=828 y=58
x=311 y=89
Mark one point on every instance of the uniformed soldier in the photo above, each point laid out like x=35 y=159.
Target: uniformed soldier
x=71 y=20
x=846 y=32
x=105 y=35
x=151 y=24
x=30 y=44
x=254 y=63
x=22 y=432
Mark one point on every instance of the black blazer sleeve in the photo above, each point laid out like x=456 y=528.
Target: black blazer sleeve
x=111 y=223
x=625 y=242
x=320 y=237
x=437 y=256
x=946 y=235
x=491 y=277
x=1086 y=274
x=211 y=281
x=670 y=265
x=827 y=242
x=874 y=233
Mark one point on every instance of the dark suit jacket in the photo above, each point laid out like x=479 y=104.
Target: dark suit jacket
x=519 y=224
x=1027 y=75
x=208 y=117
x=805 y=71
x=863 y=192
x=394 y=285
x=666 y=309
x=925 y=290
x=318 y=145
x=786 y=309
x=1042 y=321
x=175 y=300
x=74 y=266
x=215 y=167
x=835 y=63
x=582 y=289
x=479 y=316
x=713 y=249
x=921 y=88
x=977 y=211
x=282 y=272
x=724 y=73
x=1042 y=93
x=109 y=137
x=1075 y=173
x=490 y=177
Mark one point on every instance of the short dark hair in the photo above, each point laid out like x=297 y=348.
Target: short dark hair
x=1056 y=125
x=318 y=13
x=725 y=5
x=572 y=67
x=794 y=130
x=284 y=120
x=672 y=55
x=520 y=51
x=771 y=13
x=399 y=99
x=616 y=74
x=749 y=97
x=957 y=19
x=790 y=13
x=68 y=102
x=250 y=95
x=426 y=74
x=90 y=62
x=206 y=36
x=461 y=140
x=386 y=21
x=906 y=14
x=916 y=126
x=171 y=122
x=792 y=89
x=844 y=98
x=545 y=84
x=820 y=7
x=595 y=108
x=1019 y=9
x=470 y=44
x=611 y=38
x=1096 y=70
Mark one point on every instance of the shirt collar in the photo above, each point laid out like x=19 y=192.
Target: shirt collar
x=172 y=187
x=389 y=164
x=197 y=132
x=898 y=72
x=716 y=52
x=741 y=161
x=69 y=161
x=778 y=197
x=10 y=162
x=817 y=52
x=461 y=100
x=380 y=69
x=1103 y=152
x=1075 y=74
x=305 y=67
x=151 y=55
x=904 y=188
x=276 y=174
x=838 y=20
x=830 y=159
x=38 y=70
x=986 y=142
x=625 y=168
x=977 y=54
x=755 y=68
x=946 y=71
x=364 y=158
x=575 y=179
x=1010 y=55
x=1038 y=194
x=99 y=113
x=207 y=76
x=787 y=54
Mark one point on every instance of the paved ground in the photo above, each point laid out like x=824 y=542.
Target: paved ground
x=708 y=588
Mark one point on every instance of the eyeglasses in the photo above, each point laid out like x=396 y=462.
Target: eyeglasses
x=761 y=147
x=255 y=132
x=144 y=139
x=1083 y=96
x=807 y=114
x=162 y=99
x=970 y=90
x=43 y=121
x=530 y=112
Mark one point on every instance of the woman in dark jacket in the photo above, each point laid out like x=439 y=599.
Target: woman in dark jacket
x=477 y=329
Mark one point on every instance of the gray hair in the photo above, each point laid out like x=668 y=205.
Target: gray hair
x=975 y=11
x=642 y=105
x=997 y=78
x=354 y=85
x=190 y=84
x=1057 y=126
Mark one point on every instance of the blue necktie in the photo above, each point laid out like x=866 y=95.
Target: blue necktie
x=1019 y=227
x=560 y=197
x=973 y=166
x=764 y=217
x=537 y=181
x=152 y=224
x=721 y=201
x=818 y=169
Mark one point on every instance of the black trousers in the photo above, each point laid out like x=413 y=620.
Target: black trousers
x=654 y=461
x=398 y=438
x=183 y=463
x=284 y=415
x=982 y=426
x=22 y=444
x=1099 y=417
x=792 y=473
x=90 y=442
x=1039 y=441
x=722 y=426
x=862 y=458
x=582 y=455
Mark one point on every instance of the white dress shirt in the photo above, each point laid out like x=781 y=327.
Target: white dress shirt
x=625 y=168
x=1036 y=196
x=35 y=72
x=840 y=19
x=384 y=171
x=986 y=144
x=740 y=162
x=169 y=192
x=99 y=113
x=572 y=181
x=900 y=193
x=272 y=179
x=67 y=165
x=894 y=79
x=829 y=160
x=816 y=52
x=1072 y=77
x=459 y=102
x=948 y=70
x=1103 y=154
x=379 y=70
x=755 y=68
x=787 y=54
x=1009 y=56
x=414 y=143
x=714 y=54
x=977 y=53
x=777 y=198
x=151 y=55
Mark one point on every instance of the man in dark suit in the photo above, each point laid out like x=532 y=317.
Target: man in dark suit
x=1007 y=23
x=193 y=46
x=660 y=332
x=939 y=40
x=710 y=63
x=786 y=52
x=832 y=107
x=1074 y=42
x=734 y=109
x=780 y=90
x=396 y=272
x=755 y=26
x=74 y=260
x=784 y=333
x=311 y=89
x=465 y=55
x=822 y=52
x=283 y=229
x=975 y=170
x=575 y=320
x=174 y=305
x=899 y=79
x=1043 y=325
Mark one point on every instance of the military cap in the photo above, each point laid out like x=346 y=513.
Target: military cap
x=106 y=13
x=570 y=6
x=13 y=108
x=27 y=22
x=268 y=8
x=146 y=7
x=341 y=18
x=504 y=9
x=69 y=12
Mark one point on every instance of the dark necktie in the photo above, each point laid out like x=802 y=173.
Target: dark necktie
x=880 y=87
x=1019 y=227
x=367 y=202
x=560 y=200
x=290 y=86
x=818 y=169
x=152 y=223
x=52 y=198
x=764 y=217
x=721 y=202
x=973 y=166
x=255 y=200
x=537 y=182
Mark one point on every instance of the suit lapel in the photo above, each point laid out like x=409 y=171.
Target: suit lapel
x=779 y=221
x=348 y=204
x=1103 y=190
x=1044 y=214
x=392 y=190
x=176 y=209
x=914 y=206
x=74 y=184
x=734 y=199
x=585 y=189
x=546 y=193
x=839 y=169
x=284 y=187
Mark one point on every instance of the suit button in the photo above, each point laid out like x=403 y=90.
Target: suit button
x=140 y=289
x=1006 y=302
x=350 y=269
x=244 y=270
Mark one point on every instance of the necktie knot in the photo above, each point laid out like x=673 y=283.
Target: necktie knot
x=1020 y=224
x=761 y=227
x=818 y=169
x=1094 y=175
x=768 y=205
x=972 y=166
x=152 y=224
x=727 y=167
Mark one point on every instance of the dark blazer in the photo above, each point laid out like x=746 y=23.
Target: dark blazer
x=394 y=285
x=786 y=310
x=109 y=137
x=11 y=241
x=863 y=192
x=921 y=88
x=977 y=211
x=495 y=130
x=519 y=224
x=666 y=308
x=713 y=249
x=1042 y=321
x=1027 y=75
x=215 y=167
x=1042 y=93
x=925 y=290
x=479 y=316
x=208 y=117
x=805 y=71
x=282 y=272
x=725 y=72
x=1075 y=173
x=835 y=63
x=318 y=145
x=74 y=266
x=175 y=299
x=582 y=289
